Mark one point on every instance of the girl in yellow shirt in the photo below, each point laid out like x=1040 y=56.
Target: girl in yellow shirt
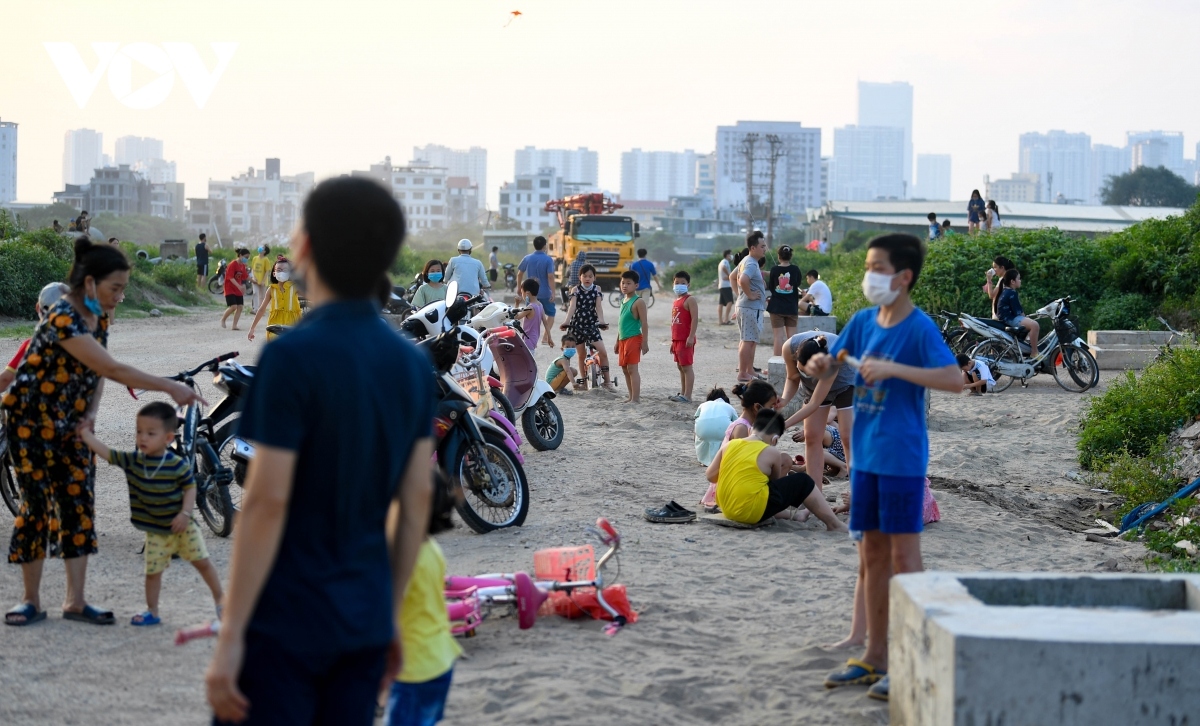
x=281 y=300
x=754 y=482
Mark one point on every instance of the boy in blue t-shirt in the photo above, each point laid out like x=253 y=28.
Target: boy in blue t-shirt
x=901 y=353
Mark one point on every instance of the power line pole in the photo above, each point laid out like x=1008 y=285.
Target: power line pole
x=776 y=151
x=748 y=142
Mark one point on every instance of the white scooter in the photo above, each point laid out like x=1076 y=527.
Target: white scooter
x=529 y=394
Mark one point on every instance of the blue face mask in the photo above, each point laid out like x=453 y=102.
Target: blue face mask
x=569 y=352
x=93 y=306
x=681 y=289
x=435 y=277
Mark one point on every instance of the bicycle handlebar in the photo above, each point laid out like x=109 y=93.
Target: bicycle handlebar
x=207 y=364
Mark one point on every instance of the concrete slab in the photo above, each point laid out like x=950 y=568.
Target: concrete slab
x=1123 y=357
x=1136 y=338
x=1074 y=650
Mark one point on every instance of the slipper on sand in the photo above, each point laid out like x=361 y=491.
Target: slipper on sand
x=670 y=513
x=91 y=615
x=145 y=618
x=856 y=673
x=27 y=611
x=879 y=691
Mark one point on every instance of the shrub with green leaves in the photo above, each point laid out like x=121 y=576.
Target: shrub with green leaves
x=1136 y=412
x=1124 y=311
x=25 y=267
x=178 y=275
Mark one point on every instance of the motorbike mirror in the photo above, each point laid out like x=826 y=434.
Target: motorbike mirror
x=452 y=290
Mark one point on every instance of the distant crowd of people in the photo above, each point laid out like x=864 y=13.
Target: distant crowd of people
x=981 y=217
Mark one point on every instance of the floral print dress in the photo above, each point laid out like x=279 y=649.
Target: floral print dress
x=585 y=326
x=55 y=472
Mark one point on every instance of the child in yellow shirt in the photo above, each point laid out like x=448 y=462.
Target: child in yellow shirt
x=281 y=304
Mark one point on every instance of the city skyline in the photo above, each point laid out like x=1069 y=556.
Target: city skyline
x=1034 y=65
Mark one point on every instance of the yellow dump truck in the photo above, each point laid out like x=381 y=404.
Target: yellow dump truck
x=588 y=225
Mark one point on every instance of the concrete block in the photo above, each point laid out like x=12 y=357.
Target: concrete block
x=777 y=377
x=1136 y=338
x=1123 y=357
x=1047 y=648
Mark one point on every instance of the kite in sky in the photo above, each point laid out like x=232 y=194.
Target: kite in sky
x=515 y=14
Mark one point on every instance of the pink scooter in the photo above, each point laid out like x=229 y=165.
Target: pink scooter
x=531 y=397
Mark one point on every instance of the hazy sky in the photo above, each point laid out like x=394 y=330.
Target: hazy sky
x=333 y=86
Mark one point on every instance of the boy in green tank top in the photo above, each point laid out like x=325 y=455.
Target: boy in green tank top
x=633 y=335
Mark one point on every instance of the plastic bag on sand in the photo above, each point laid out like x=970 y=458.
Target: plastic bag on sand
x=932 y=513
x=583 y=604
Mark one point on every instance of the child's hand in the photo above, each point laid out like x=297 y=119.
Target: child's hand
x=180 y=523
x=691 y=342
x=874 y=370
x=564 y=325
x=645 y=346
x=818 y=364
x=250 y=335
x=602 y=325
x=798 y=437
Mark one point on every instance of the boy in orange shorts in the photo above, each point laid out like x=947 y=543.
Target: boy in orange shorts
x=685 y=316
x=633 y=334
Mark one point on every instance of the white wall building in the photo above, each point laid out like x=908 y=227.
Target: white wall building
x=868 y=163
x=83 y=154
x=254 y=202
x=579 y=166
x=1107 y=161
x=706 y=176
x=657 y=175
x=1062 y=162
x=8 y=161
x=524 y=199
x=797 y=173
x=134 y=150
x=471 y=163
x=1020 y=188
x=933 y=177
x=889 y=104
x=157 y=171
x=463 y=200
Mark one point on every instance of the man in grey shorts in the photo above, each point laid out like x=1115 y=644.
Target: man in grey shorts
x=751 y=302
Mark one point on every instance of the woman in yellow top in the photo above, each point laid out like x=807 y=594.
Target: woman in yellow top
x=281 y=300
x=260 y=272
x=754 y=482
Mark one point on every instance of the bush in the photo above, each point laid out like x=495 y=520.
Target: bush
x=178 y=275
x=1135 y=413
x=1124 y=311
x=25 y=268
x=61 y=246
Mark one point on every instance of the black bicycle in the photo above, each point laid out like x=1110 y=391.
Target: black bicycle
x=196 y=443
x=8 y=473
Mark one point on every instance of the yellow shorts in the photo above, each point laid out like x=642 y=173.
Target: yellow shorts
x=188 y=544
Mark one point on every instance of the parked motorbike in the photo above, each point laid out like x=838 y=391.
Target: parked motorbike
x=531 y=397
x=1061 y=353
x=235 y=453
x=510 y=277
x=216 y=283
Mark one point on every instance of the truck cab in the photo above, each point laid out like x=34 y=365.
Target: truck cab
x=604 y=239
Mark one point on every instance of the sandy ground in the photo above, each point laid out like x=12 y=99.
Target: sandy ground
x=731 y=624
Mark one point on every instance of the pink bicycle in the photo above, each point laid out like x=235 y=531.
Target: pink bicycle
x=469 y=600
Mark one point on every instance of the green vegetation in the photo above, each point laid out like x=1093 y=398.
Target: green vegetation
x=1147 y=187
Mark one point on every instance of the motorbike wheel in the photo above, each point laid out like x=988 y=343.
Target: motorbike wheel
x=215 y=284
x=543 y=425
x=224 y=438
x=212 y=498
x=996 y=351
x=504 y=406
x=1078 y=371
x=486 y=506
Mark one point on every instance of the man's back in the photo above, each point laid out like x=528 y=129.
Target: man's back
x=352 y=425
x=467 y=271
x=645 y=270
x=538 y=265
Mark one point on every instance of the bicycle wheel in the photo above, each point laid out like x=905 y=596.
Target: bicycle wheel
x=614 y=298
x=1076 y=370
x=648 y=298
x=993 y=352
x=8 y=486
x=224 y=438
x=212 y=484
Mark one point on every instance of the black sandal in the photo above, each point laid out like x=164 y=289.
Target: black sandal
x=27 y=611
x=90 y=615
x=670 y=513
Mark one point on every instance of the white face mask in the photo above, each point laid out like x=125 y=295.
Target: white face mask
x=587 y=287
x=283 y=276
x=681 y=289
x=877 y=288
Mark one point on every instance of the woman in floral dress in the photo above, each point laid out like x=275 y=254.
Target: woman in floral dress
x=58 y=388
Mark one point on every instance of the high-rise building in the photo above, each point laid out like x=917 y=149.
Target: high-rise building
x=933 y=177
x=657 y=175
x=1156 y=148
x=868 y=163
x=8 y=161
x=580 y=166
x=1107 y=161
x=471 y=163
x=797 y=171
x=1062 y=162
x=136 y=150
x=889 y=104
x=83 y=154
x=523 y=200
x=706 y=176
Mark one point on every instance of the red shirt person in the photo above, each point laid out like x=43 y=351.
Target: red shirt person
x=236 y=275
x=685 y=316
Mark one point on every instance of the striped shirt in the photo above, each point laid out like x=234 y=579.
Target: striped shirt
x=156 y=487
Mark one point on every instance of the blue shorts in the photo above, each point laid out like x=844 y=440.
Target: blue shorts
x=418 y=704
x=548 y=307
x=890 y=504
x=1016 y=322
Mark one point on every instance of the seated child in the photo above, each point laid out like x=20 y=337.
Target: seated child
x=754 y=396
x=835 y=455
x=755 y=480
x=713 y=418
x=977 y=377
x=418 y=695
x=561 y=372
x=162 y=495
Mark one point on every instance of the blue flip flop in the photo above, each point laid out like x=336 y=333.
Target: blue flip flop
x=27 y=611
x=146 y=618
x=856 y=673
